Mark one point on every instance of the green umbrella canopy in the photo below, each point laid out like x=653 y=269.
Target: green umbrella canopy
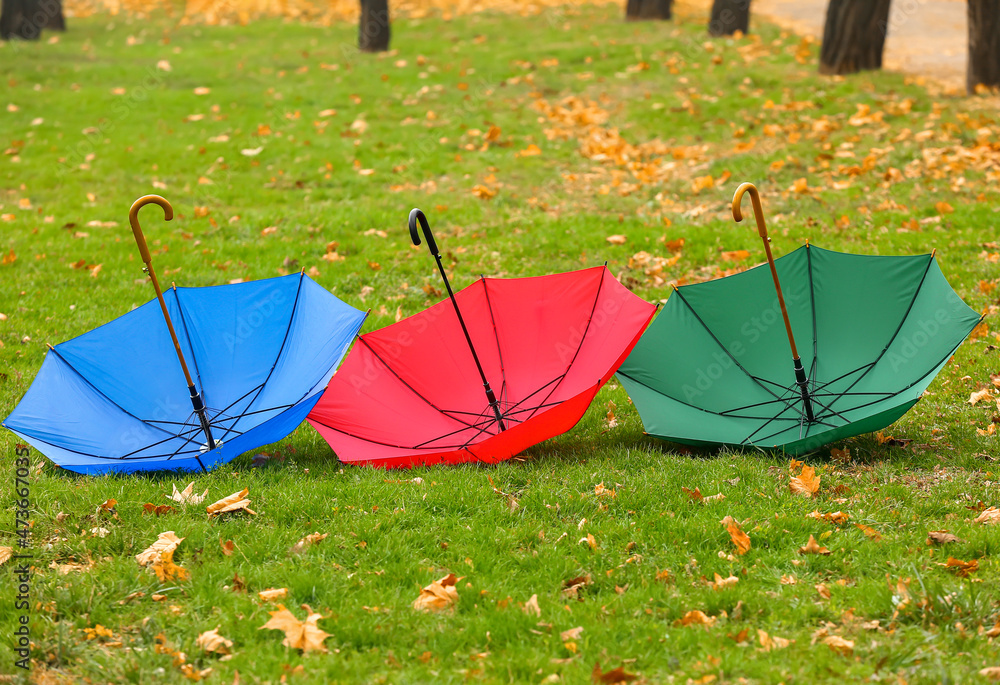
x=715 y=366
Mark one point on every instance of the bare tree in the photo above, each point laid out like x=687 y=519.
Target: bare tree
x=373 y=30
x=854 y=36
x=647 y=9
x=984 y=44
x=26 y=18
x=728 y=17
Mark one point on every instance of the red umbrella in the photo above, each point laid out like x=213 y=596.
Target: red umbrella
x=505 y=364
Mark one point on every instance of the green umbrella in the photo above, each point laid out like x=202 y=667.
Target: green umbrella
x=714 y=367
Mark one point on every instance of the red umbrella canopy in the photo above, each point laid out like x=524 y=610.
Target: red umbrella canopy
x=410 y=393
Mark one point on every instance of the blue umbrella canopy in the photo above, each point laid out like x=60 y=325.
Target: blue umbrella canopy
x=116 y=400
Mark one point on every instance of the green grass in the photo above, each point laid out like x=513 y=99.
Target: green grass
x=551 y=212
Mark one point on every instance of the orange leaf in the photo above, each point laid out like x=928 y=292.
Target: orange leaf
x=438 y=596
x=806 y=483
x=869 y=531
x=813 y=547
x=305 y=635
x=618 y=675
x=963 y=569
x=739 y=538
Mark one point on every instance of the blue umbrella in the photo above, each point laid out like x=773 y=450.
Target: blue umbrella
x=123 y=397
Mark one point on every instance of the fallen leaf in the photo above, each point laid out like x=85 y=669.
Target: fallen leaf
x=108 y=507
x=734 y=255
x=822 y=590
x=617 y=675
x=839 y=644
x=943 y=207
x=307 y=541
x=187 y=496
x=695 y=617
x=739 y=538
x=990 y=673
x=616 y=239
x=272 y=594
x=159 y=510
x=963 y=569
x=806 y=483
x=989 y=516
x=227 y=547
x=233 y=503
x=166 y=541
x=5 y=554
x=721 y=583
x=571 y=634
x=693 y=494
x=980 y=395
x=836 y=517
x=438 y=596
x=531 y=607
x=768 y=642
x=304 y=635
x=165 y=568
x=813 y=547
x=210 y=641
x=941 y=537
x=869 y=531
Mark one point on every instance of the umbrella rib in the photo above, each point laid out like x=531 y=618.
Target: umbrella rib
x=916 y=293
x=85 y=380
x=361 y=339
x=370 y=440
x=496 y=336
x=291 y=320
x=708 y=330
x=583 y=339
x=812 y=304
x=187 y=335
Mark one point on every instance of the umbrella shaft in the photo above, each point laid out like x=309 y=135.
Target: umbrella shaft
x=803 y=383
x=199 y=409
x=490 y=396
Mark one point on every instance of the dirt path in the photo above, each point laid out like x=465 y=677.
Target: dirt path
x=926 y=37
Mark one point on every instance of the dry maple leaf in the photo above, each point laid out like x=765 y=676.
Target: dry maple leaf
x=839 y=644
x=836 y=517
x=304 y=635
x=806 y=483
x=210 y=641
x=813 y=547
x=980 y=395
x=5 y=554
x=768 y=642
x=187 y=495
x=616 y=239
x=159 y=510
x=990 y=673
x=512 y=503
x=272 y=594
x=739 y=538
x=841 y=456
x=531 y=607
x=307 y=541
x=989 y=516
x=165 y=568
x=166 y=541
x=618 y=675
x=227 y=547
x=602 y=491
x=438 y=596
x=234 y=502
x=695 y=617
x=108 y=507
x=571 y=634
x=941 y=537
x=693 y=494
x=963 y=569
x=721 y=583
x=869 y=531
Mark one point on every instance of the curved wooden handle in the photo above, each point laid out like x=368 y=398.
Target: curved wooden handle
x=755 y=201
x=133 y=220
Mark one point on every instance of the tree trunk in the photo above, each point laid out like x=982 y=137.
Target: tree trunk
x=984 y=44
x=647 y=9
x=728 y=17
x=26 y=18
x=854 y=36
x=373 y=31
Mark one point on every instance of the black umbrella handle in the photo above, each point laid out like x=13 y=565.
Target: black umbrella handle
x=415 y=216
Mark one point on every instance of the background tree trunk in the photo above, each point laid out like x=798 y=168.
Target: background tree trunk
x=373 y=31
x=26 y=18
x=854 y=36
x=647 y=9
x=729 y=16
x=984 y=44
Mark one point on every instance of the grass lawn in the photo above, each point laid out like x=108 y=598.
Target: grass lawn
x=528 y=142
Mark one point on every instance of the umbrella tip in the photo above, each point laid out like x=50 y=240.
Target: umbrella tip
x=933 y=252
x=49 y=345
x=807 y=242
x=174 y=286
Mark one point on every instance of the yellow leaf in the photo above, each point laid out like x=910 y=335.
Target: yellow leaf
x=944 y=208
x=806 y=483
x=5 y=554
x=234 y=502
x=980 y=395
x=695 y=617
x=438 y=596
x=839 y=644
x=739 y=538
x=165 y=568
x=735 y=255
x=767 y=642
x=272 y=594
x=304 y=635
x=530 y=151
x=211 y=641
x=963 y=569
x=166 y=542
x=869 y=531
x=813 y=547
x=307 y=541
x=483 y=192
